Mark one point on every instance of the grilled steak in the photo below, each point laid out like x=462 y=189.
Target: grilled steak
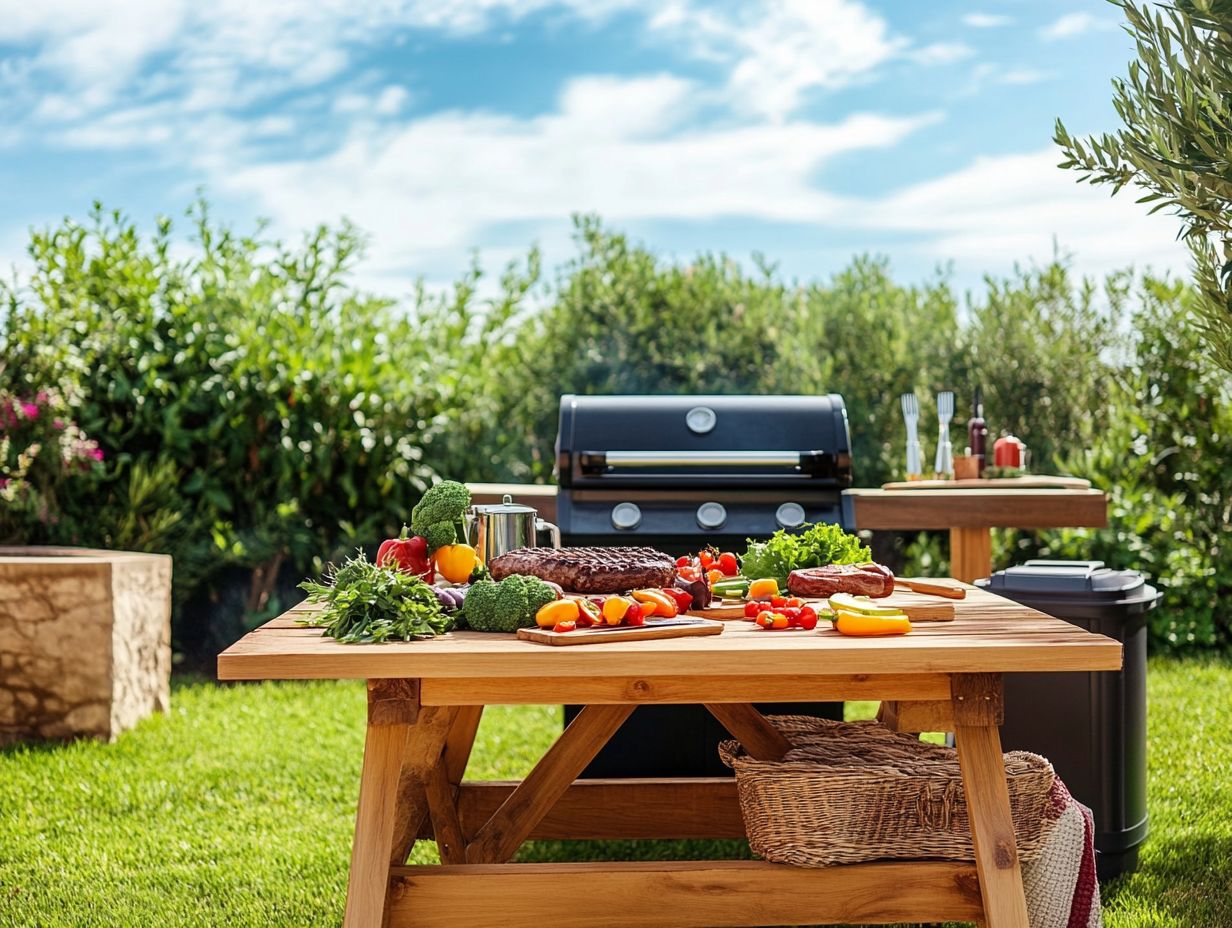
x=589 y=570
x=860 y=579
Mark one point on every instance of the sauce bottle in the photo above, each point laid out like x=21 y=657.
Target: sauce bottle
x=977 y=431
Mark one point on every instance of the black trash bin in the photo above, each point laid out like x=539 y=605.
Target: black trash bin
x=1091 y=725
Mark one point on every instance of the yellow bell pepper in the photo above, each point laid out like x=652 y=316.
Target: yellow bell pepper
x=456 y=562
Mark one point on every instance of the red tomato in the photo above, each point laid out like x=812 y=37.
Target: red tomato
x=728 y=564
x=707 y=559
x=794 y=601
x=634 y=615
x=778 y=602
x=683 y=561
x=807 y=622
x=689 y=573
x=565 y=626
x=751 y=609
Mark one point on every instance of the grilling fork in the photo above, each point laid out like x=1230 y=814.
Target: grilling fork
x=911 y=415
x=945 y=454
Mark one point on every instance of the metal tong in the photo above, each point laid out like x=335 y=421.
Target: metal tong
x=945 y=454
x=911 y=415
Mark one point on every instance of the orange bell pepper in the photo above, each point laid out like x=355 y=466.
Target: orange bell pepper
x=663 y=604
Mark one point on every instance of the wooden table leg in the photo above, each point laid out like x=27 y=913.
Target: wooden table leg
x=393 y=708
x=970 y=553
x=752 y=729
x=978 y=711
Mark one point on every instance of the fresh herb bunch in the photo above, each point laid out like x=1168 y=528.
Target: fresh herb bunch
x=816 y=546
x=366 y=604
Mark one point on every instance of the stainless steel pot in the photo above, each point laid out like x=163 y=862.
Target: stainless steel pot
x=494 y=528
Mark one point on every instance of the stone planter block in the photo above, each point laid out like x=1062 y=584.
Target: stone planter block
x=85 y=641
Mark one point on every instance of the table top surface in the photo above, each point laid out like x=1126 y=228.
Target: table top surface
x=977 y=507
x=989 y=634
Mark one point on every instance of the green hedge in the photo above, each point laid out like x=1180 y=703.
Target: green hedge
x=259 y=414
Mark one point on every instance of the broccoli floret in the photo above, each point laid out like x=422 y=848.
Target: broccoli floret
x=538 y=594
x=439 y=534
x=498 y=607
x=445 y=502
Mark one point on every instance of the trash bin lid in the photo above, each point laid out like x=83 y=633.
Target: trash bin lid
x=1088 y=581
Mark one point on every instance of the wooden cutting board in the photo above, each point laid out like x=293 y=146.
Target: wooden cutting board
x=919 y=607
x=1027 y=482
x=619 y=633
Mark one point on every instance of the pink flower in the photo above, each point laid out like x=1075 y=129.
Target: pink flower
x=4 y=482
x=29 y=410
x=40 y=397
x=96 y=453
x=58 y=425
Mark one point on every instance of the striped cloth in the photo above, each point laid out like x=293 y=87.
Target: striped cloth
x=1059 y=879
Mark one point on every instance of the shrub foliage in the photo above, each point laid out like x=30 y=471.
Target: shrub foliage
x=257 y=414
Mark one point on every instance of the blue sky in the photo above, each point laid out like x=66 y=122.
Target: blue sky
x=808 y=130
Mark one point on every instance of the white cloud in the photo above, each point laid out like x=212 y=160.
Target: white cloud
x=389 y=101
x=614 y=146
x=941 y=53
x=1009 y=208
x=781 y=49
x=1073 y=24
x=987 y=20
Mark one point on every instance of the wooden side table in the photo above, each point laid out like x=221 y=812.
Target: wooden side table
x=970 y=516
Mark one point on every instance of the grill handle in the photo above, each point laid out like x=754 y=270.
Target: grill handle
x=818 y=463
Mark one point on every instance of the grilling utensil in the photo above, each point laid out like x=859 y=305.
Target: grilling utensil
x=911 y=415
x=945 y=454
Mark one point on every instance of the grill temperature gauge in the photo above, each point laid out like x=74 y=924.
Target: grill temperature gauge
x=711 y=515
x=700 y=419
x=626 y=516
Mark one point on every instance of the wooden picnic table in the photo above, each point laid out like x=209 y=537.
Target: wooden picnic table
x=425 y=700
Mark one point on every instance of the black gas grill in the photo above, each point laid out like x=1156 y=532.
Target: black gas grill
x=676 y=472
x=679 y=473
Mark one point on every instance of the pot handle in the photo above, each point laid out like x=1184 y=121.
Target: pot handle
x=543 y=526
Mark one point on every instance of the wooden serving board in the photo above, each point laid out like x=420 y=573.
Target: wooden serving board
x=919 y=607
x=620 y=633
x=1027 y=482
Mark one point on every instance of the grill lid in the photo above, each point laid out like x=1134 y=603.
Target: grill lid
x=702 y=440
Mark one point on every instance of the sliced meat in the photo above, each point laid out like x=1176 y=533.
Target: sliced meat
x=589 y=570
x=874 y=580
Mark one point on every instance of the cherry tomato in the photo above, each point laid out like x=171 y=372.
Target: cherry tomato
x=635 y=615
x=728 y=564
x=751 y=610
x=683 y=561
x=565 y=626
x=794 y=601
x=707 y=558
x=778 y=601
x=807 y=622
x=689 y=573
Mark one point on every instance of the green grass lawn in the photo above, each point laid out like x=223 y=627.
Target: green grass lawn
x=237 y=807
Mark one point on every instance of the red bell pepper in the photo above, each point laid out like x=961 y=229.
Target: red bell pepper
x=409 y=555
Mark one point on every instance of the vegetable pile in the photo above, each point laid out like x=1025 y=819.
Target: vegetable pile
x=817 y=546
x=365 y=603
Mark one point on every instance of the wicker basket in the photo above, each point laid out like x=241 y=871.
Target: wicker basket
x=851 y=792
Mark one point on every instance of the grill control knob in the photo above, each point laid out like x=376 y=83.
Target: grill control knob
x=711 y=515
x=626 y=516
x=789 y=515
